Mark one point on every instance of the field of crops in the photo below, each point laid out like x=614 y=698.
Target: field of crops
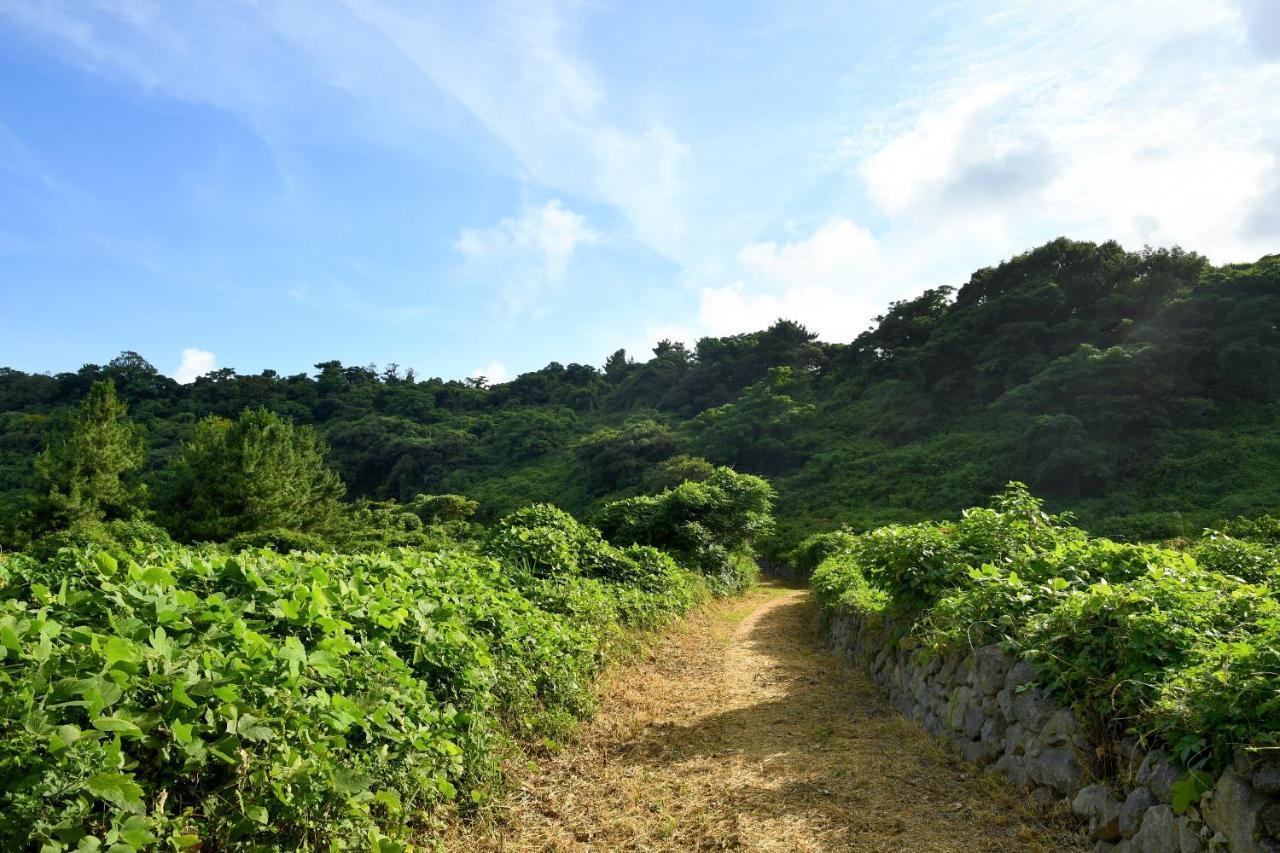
x=198 y=696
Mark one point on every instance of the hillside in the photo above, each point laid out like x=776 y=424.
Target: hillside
x=1139 y=390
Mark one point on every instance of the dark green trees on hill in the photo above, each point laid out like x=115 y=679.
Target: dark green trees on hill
x=1140 y=390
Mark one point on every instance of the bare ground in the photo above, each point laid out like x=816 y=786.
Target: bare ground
x=738 y=731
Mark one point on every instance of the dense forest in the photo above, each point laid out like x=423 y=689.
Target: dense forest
x=1139 y=390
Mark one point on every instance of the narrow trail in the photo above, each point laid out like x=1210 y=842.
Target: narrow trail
x=738 y=731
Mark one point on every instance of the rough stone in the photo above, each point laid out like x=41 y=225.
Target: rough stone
x=974 y=720
x=1271 y=820
x=991 y=666
x=1022 y=672
x=957 y=707
x=1061 y=729
x=1266 y=778
x=993 y=730
x=947 y=670
x=1189 y=840
x=1159 y=831
x=1033 y=709
x=1015 y=769
x=980 y=752
x=1013 y=739
x=1059 y=769
x=1135 y=806
x=1101 y=808
x=1235 y=810
x=1044 y=799
x=1004 y=701
x=1158 y=773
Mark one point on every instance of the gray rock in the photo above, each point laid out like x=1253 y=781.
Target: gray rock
x=1271 y=820
x=1135 y=806
x=973 y=721
x=957 y=707
x=1189 y=840
x=1235 y=810
x=1033 y=709
x=1004 y=701
x=994 y=730
x=1159 y=831
x=991 y=666
x=1060 y=769
x=947 y=670
x=1158 y=773
x=1062 y=729
x=1101 y=809
x=1104 y=847
x=1266 y=778
x=1015 y=769
x=1014 y=737
x=980 y=752
x=1022 y=672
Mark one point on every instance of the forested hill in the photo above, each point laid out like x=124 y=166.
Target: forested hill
x=1139 y=390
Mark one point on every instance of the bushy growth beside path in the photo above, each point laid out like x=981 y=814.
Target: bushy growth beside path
x=206 y=697
x=1177 y=645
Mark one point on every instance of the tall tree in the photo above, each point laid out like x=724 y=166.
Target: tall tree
x=87 y=470
x=257 y=473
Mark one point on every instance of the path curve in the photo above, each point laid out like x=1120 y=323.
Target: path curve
x=738 y=731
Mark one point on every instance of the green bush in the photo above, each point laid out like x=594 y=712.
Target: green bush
x=1174 y=645
x=711 y=527
x=280 y=541
x=196 y=697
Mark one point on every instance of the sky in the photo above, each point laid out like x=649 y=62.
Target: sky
x=482 y=188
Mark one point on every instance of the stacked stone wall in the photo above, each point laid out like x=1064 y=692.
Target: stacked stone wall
x=989 y=705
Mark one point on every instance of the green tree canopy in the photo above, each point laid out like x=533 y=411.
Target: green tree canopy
x=259 y=472
x=87 y=470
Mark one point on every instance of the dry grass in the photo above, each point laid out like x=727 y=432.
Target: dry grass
x=736 y=731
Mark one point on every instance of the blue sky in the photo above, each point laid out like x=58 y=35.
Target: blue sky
x=486 y=187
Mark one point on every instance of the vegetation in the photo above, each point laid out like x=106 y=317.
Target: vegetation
x=1138 y=390
x=1177 y=645
x=385 y=584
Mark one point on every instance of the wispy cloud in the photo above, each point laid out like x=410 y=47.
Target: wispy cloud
x=529 y=253
x=396 y=69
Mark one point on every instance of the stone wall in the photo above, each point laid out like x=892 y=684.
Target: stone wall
x=989 y=705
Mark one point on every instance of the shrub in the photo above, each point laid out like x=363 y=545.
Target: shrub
x=711 y=526
x=280 y=541
x=1176 y=646
x=313 y=701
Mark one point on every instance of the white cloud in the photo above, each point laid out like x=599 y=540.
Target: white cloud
x=833 y=282
x=494 y=371
x=195 y=363
x=529 y=253
x=1096 y=120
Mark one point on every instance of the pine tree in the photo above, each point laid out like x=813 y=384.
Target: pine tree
x=88 y=468
x=257 y=473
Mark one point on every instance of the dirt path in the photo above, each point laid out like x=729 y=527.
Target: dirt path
x=737 y=731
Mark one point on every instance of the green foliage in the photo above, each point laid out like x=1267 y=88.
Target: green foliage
x=280 y=541
x=670 y=473
x=239 y=697
x=87 y=470
x=1177 y=646
x=712 y=526
x=617 y=457
x=259 y=472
